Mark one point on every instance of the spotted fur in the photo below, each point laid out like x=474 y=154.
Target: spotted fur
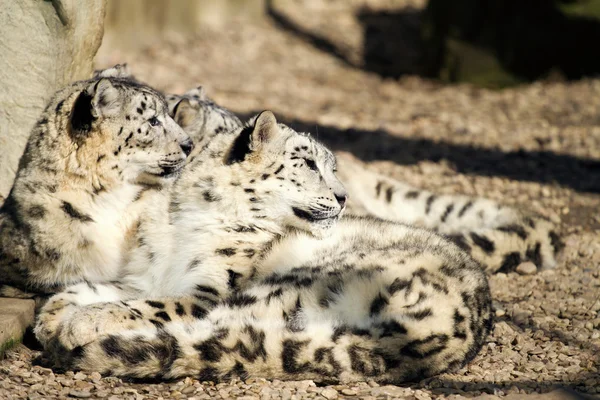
x=497 y=236
x=255 y=274
x=98 y=151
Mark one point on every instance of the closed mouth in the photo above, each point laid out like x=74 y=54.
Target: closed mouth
x=167 y=171
x=312 y=216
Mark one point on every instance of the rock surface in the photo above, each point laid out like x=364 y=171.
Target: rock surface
x=15 y=316
x=45 y=45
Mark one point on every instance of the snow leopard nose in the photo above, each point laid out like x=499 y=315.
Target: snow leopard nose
x=341 y=198
x=187 y=147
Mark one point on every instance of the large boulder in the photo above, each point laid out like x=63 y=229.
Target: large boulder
x=44 y=46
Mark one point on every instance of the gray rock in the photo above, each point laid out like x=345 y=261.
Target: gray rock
x=45 y=45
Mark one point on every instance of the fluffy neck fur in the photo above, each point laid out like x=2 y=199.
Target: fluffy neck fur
x=218 y=239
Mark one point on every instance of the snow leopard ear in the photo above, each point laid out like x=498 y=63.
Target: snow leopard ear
x=118 y=71
x=184 y=113
x=259 y=131
x=105 y=98
x=100 y=98
x=265 y=130
x=197 y=93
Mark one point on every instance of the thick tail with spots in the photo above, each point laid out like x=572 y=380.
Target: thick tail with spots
x=497 y=236
x=385 y=324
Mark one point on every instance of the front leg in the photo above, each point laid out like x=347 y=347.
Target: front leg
x=62 y=306
x=89 y=323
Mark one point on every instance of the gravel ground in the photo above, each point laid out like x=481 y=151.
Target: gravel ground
x=535 y=146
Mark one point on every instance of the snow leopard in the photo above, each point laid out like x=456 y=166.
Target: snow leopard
x=99 y=151
x=249 y=270
x=498 y=236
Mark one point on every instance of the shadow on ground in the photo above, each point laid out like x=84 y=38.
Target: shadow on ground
x=449 y=386
x=546 y=167
x=492 y=43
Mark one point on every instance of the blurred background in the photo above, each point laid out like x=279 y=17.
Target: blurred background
x=491 y=43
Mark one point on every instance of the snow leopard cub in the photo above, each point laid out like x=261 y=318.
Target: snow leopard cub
x=255 y=274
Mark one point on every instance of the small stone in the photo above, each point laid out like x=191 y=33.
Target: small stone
x=80 y=376
x=500 y=312
x=95 y=376
x=188 y=390
x=526 y=268
x=349 y=392
x=80 y=394
x=329 y=393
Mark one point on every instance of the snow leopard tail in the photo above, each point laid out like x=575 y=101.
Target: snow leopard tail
x=297 y=329
x=497 y=236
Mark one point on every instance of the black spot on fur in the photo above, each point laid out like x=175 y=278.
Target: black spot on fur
x=460 y=241
x=208 y=374
x=447 y=212
x=378 y=188
x=423 y=348
x=210 y=196
x=163 y=315
x=227 y=252
x=179 y=309
x=365 y=362
x=241 y=146
x=210 y=350
x=241 y=300
x=233 y=277
x=37 y=212
x=516 y=229
x=198 y=312
x=412 y=194
x=392 y=328
x=398 y=285
x=378 y=304
x=464 y=208
x=419 y=315
x=274 y=294
x=483 y=243
x=510 y=262
x=238 y=371
x=534 y=255
x=74 y=213
x=429 y=203
x=156 y=304
x=388 y=194
x=556 y=243
x=207 y=289
x=289 y=355
x=194 y=264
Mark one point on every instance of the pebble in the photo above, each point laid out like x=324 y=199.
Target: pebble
x=329 y=393
x=80 y=394
x=526 y=268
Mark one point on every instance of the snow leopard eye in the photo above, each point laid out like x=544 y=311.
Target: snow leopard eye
x=154 y=121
